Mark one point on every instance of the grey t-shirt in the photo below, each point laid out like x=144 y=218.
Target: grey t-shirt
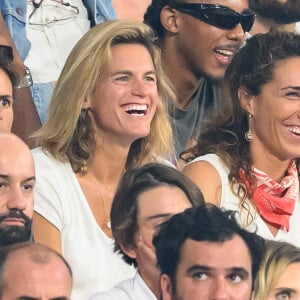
x=187 y=123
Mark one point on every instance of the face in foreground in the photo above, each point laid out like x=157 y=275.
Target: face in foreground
x=29 y=280
x=277 y=133
x=17 y=179
x=288 y=285
x=211 y=270
x=155 y=206
x=124 y=103
x=6 y=102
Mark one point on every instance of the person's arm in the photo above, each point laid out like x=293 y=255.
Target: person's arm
x=46 y=233
x=207 y=178
x=26 y=118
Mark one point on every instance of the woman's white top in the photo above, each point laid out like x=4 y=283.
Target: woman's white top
x=129 y=289
x=89 y=251
x=230 y=201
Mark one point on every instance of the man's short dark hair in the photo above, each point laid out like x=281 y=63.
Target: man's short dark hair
x=6 y=57
x=203 y=223
x=280 y=12
x=152 y=15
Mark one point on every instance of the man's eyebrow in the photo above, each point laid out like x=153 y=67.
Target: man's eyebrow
x=5 y=176
x=202 y=268
x=29 y=179
x=239 y=270
x=6 y=96
x=33 y=298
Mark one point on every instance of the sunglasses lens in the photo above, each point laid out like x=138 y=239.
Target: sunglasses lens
x=227 y=19
x=247 y=22
x=224 y=21
x=221 y=17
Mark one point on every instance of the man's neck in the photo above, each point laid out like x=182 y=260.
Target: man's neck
x=183 y=80
x=152 y=281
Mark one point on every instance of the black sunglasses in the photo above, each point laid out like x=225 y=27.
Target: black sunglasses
x=218 y=15
x=6 y=54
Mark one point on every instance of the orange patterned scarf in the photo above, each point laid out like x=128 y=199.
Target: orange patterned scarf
x=275 y=201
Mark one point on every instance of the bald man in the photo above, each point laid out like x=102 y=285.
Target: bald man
x=17 y=179
x=33 y=272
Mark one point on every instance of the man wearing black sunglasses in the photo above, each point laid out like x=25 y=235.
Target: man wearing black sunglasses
x=198 y=39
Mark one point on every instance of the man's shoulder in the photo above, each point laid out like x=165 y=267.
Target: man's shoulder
x=122 y=291
x=129 y=289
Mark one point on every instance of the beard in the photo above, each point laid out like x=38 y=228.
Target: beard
x=14 y=234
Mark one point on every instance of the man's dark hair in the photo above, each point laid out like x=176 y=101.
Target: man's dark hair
x=280 y=12
x=124 y=211
x=6 y=57
x=203 y=223
x=152 y=15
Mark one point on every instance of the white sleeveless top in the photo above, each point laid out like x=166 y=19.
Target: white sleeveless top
x=89 y=251
x=230 y=201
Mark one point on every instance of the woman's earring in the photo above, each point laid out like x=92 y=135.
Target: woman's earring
x=248 y=134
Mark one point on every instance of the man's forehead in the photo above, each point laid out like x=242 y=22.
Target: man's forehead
x=16 y=168
x=213 y=253
x=15 y=158
x=17 y=171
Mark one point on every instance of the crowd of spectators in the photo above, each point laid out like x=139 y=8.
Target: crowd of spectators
x=149 y=149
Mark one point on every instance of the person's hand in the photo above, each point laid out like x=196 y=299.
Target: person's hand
x=146 y=249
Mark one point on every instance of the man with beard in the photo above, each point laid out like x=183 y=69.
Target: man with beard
x=198 y=41
x=17 y=179
x=275 y=14
x=204 y=254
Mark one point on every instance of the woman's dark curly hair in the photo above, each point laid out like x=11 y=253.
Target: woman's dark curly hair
x=252 y=67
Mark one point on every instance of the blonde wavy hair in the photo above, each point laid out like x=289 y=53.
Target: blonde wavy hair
x=279 y=255
x=67 y=134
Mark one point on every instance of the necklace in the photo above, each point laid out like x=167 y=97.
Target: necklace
x=108 y=223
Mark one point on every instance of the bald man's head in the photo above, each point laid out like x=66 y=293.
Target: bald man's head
x=33 y=271
x=17 y=179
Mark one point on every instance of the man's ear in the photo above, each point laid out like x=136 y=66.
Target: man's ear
x=129 y=251
x=169 y=19
x=166 y=287
x=247 y=100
